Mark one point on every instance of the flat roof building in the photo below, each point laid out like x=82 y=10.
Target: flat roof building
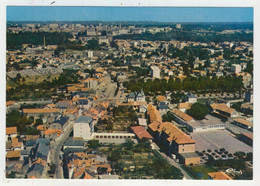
x=209 y=123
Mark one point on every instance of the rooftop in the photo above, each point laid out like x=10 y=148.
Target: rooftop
x=84 y=119
x=219 y=176
x=40 y=111
x=182 y=115
x=141 y=133
x=222 y=107
x=208 y=121
x=74 y=142
x=173 y=132
x=243 y=122
x=11 y=130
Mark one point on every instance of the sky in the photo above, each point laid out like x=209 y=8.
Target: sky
x=158 y=14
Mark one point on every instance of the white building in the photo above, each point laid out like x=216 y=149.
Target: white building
x=235 y=68
x=178 y=26
x=192 y=98
x=90 y=54
x=207 y=124
x=155 y=72
x=83 y=127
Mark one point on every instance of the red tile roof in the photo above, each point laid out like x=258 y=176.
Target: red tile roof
x=11 y=130
x=141 y=133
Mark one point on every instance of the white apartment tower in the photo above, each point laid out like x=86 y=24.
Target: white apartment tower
x=235 y=68
x=155 y=72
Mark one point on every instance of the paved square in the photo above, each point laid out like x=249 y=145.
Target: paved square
x=219 y=139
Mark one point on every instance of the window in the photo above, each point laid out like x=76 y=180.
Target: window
x=124 y=136
x=105 y=136
x=101 y=136
x=109 y=136
x=121 y=137
x=113 y=136
x=97 y=136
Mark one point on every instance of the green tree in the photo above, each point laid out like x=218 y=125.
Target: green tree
x=198 y=111
x=93 y=144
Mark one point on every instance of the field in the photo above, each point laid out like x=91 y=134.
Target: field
x=200 y=172
x=33 y=80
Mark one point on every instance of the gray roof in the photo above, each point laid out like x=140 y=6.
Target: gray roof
x=42 y=151
x=192 y=96
x=189 y=155
x=84 y=119
x=74 y=142
x=131 y=95
x=25 y=152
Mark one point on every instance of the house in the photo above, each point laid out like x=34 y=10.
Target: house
x=163 y=108
x=66 y=104
x=11 y=132
x=60 y=123
x=136 y=96
x=191 y=98
x=141 y=133
x=35 y=171
x=219 y=176
x=223 y=111
x=83 y=127
x=184 y=106
x=243 y=123
x=161 y=98
x=142 y=122
x=142 y=108
x=181 y=117
x=83 y=103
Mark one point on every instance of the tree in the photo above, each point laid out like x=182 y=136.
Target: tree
x=168 y=117
x=38 y=122
x=198 y=111
x=115 y=156
x=93 y=44
x=93 y=144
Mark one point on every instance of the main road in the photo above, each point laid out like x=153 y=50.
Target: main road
x=56 y=146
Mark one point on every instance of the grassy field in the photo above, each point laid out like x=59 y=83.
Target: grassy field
x=200 y=171
x=33 y=79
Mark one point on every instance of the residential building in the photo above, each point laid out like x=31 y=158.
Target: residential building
x=192 y=98
x=141 y=133
x=155 y=72
x=243 y=123
x=235 y=68
x=83 y=127
x=181 y=117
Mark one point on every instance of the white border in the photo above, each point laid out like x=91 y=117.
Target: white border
x=131 y=3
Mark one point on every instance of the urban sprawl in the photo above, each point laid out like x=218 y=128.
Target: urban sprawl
x=129 y=101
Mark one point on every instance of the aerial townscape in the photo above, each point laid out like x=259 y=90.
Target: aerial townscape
x=129 y=100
